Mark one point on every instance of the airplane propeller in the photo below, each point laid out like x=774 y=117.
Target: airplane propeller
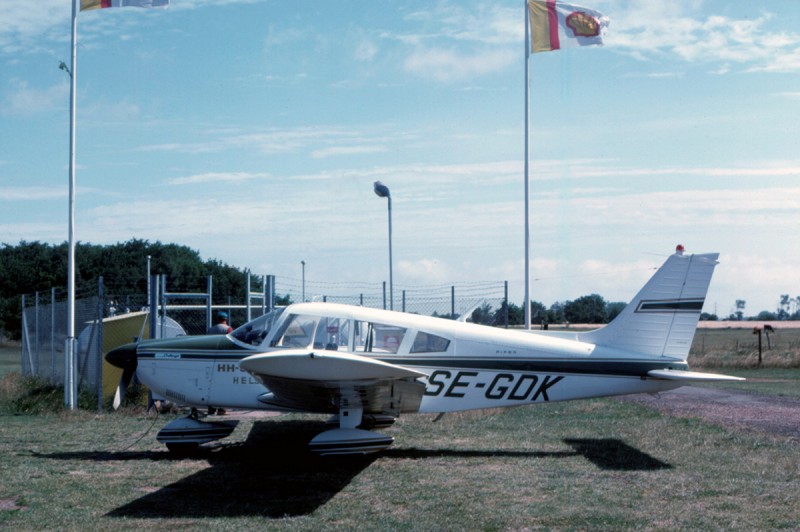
x=123 y=357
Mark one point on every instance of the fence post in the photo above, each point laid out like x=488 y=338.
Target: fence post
x=757 y=331
x=99 y=361
x=384 y=295
x=209 y=305
x=155 y=282
x=52 y=335
x=25 y=341
x=404 y=300
x=505 y=305
x=247 y=295
x=37 y=344
x=453 y=302
x=264 y=295
x=163 y=314
x=269 y=292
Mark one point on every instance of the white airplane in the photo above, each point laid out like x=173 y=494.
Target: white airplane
x=367 y=366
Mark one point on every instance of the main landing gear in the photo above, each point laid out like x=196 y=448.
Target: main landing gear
x=184 y=435
x=348 y=439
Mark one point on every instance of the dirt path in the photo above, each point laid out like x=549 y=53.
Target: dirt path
x=763 y=413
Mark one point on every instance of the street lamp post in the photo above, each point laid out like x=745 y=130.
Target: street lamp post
x=303 y=263
x=383 y=192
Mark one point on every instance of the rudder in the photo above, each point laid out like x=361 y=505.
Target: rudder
x=661 y=320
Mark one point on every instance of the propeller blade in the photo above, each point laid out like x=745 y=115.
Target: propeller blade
x=122 y=388
x=123 y=357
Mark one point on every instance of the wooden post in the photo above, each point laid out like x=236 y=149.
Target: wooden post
x=757 y=330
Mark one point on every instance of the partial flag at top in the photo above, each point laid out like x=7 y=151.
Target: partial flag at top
x=99 y=4
x=556 y=25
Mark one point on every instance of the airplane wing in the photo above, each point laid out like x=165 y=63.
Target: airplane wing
x=690 y=376
x=322 y=381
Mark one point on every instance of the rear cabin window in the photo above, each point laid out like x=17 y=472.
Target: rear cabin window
x=377 y=337
x=429 y=343
x=332 y=334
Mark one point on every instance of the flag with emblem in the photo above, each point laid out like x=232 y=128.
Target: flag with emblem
x=556 y=25
x=99 y=4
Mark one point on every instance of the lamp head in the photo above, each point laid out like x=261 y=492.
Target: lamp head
x=381 y=190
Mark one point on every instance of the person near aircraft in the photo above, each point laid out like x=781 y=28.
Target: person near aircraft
x=221 y=325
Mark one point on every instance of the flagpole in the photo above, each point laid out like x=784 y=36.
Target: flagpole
x=527 y=214
x=70 y=353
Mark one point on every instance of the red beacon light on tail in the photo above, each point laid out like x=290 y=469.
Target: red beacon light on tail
x=679 y=249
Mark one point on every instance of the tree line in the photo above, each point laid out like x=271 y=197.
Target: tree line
x=587 y=309
x=36 y=267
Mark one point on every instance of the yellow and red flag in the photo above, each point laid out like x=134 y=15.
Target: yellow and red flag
x=99 y=4
x=556 y=25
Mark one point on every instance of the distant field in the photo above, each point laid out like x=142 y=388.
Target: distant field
x=722 y=347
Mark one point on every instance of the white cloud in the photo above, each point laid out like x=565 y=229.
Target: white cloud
x=451 y=65
x=24 y=100
x=216 y=177
x=31 y=193
x=346 y=150
x=25 y=23
x=758 y=279
x=321 y=141
x=656 y=29
x=487 y=23
x=366 y=50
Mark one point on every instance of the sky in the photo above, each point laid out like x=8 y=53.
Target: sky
x=252 y=131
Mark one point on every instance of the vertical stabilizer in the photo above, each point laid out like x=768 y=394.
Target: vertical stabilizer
x=662 y=318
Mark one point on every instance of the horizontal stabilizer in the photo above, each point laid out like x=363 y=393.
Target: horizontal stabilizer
x=690 y=376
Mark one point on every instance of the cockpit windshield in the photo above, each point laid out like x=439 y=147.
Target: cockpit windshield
x=255 y=331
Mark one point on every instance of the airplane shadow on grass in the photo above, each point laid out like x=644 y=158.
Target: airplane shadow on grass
x=615 y=455
x=607 y=453
x=273 y=474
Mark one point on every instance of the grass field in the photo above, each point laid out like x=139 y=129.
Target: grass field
x=581 y=465
x=599 y=464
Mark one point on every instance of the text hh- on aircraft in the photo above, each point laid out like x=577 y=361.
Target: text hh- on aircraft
x=367 y=366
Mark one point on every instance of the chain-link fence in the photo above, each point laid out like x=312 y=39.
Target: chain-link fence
x=44 y=333
x=486 y=301
x=106 y=318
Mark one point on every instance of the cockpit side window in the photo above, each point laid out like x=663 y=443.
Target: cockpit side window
x=296 y=331
x=429 y=343
x=255 y=331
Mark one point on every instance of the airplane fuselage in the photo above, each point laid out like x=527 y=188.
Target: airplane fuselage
x=481 y=367
x=367 y=366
